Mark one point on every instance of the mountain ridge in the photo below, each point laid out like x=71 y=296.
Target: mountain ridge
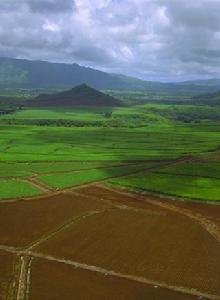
x=22 y=73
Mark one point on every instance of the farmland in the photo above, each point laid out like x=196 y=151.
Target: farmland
x=191 y=180
x=14 y=189
x=70 y=229
x=190 y=187
x=82 y=177
x=89 y=285
x=124 y=245
x=7 y=264
x=122 y=236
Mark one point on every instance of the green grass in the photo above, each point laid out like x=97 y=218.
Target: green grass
x=28 y=169
x=10 y=189
x=61 y=181
x=94 y=116
x=53 y=144
x=133 y=134
x=191 y=187
x=199 y=169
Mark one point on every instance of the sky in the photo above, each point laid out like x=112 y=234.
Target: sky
x=160 y=40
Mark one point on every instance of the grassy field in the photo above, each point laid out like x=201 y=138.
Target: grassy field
x=198 y=169
x=15 y=188
x=157 y=141
x=61 y=181
x=46 y=142
x=192 y=187
x=25 y=169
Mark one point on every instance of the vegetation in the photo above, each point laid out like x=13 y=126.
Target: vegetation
x=209 y=98
x=61 y=181
x=14 y=189
x=20 y=73
x=191 y=187
x=55 y=142
x=198 y=169
x=25 y=169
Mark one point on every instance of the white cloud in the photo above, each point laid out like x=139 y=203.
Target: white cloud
x=152 y=39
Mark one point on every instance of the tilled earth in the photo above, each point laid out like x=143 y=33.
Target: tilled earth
x=99 y=243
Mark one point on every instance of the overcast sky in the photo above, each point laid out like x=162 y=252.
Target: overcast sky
x=167 y=40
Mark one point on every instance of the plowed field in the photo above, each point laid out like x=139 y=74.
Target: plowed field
x=167 y=248
x=23 y=222
x=55 y=281
x=99 y=243
x=7 y=262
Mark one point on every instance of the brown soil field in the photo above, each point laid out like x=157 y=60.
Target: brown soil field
x=164 y=248
x=103 y=194
x=207 y=214
x=210 y=211
x=7 y=262
x=56 y=281
x=23 y=222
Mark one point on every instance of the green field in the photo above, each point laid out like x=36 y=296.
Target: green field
x=198 y=181
x=198 y=169
x=53 y=143
x=174 y=185
x=159 y=141
x=61 y=181
x=10 y=189
x=25 y=169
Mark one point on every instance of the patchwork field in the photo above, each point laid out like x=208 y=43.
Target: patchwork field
x=67 y=231
x=60 y=181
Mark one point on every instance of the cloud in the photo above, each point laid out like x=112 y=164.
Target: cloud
x=152 y=39
x=51 y=6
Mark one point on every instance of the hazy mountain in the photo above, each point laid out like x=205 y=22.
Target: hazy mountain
x=213 y=82
x=20 y=73
x=81 y=95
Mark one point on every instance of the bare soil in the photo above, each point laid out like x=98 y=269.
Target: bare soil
x=55 y=281
x=94 y=242
x=7 y=265
x=165 y=248
x=24 y=222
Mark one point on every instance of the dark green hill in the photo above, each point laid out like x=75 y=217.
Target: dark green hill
x=81 y=95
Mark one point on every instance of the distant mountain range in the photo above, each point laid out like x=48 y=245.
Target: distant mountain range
x=20 y=73
x=81 y=95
